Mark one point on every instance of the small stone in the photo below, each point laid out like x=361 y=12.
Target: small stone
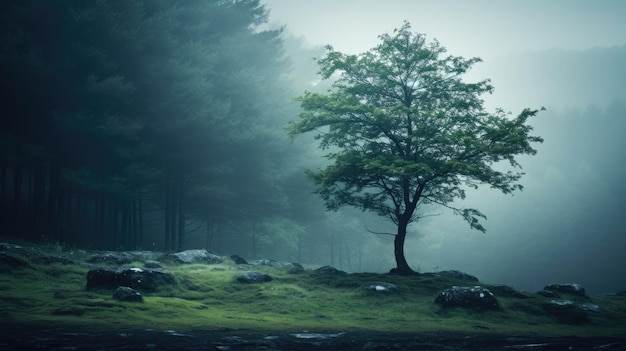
x=124 y=293
x=380 y=288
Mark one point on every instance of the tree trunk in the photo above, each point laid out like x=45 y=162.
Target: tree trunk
x=402 y=266
x=170 y=218
x=300 y=247
x=181 y=211
x=101 y=223
x=17 y=195
x=139 y=220
x=346 y=248
x=125 y=238
x=52 y=214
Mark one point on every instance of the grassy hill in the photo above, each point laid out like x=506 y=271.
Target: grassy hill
x=37 y=292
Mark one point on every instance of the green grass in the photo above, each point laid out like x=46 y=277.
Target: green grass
x=207 y=297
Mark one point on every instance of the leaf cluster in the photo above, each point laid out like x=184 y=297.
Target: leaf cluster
x=403 y=128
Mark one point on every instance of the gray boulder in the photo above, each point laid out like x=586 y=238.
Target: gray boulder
x=475 y=297
x=124 y=293
x=195 y=256
x=252 y=277
x=136 y=278
x=328 y=270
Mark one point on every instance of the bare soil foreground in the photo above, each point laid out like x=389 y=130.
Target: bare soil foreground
x=14 y=338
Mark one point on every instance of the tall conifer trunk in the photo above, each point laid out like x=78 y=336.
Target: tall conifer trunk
x=180 y=210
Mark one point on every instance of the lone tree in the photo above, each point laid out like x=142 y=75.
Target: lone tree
x=403 y=130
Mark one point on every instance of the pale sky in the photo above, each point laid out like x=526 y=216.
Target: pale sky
x=483 y=28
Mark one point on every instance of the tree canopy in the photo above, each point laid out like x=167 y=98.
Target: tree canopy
x=403 y=129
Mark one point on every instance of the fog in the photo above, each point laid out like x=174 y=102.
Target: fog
x=568 y=224
x=162 y=126
x=484 y=28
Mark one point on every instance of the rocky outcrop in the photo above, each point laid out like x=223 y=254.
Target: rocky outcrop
x=252 y=277
x=195 y=256
x=474 y=297
x=136 y=278
x=569 y=304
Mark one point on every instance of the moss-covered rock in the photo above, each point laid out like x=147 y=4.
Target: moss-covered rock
x=252 y=277
x=136 y=278
x=474 y=297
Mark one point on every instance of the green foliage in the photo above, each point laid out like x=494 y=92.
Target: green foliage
x=403 y=129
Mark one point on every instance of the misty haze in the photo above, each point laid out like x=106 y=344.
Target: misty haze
x=312 y=170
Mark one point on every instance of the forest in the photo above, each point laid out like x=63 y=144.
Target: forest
x=158 y=125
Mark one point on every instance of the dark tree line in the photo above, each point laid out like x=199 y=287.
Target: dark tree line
x=122 y=119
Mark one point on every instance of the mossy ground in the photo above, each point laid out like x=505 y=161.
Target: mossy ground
x=207 y=297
